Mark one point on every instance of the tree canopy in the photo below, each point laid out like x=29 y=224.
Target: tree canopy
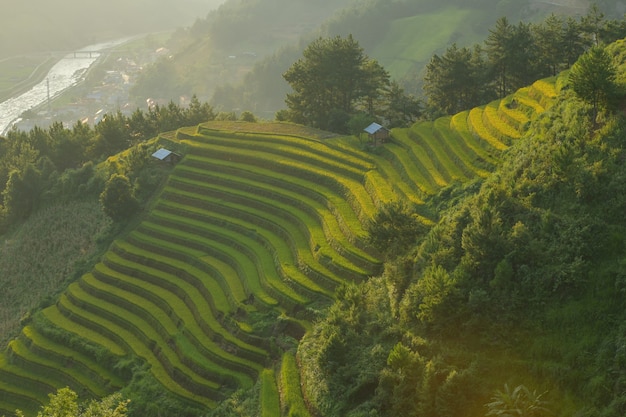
x=593 y=79
x=333 y=74
x=512 y=56
x=65 y=404
x=457 y=80
x=117 y=199
x=335 y=81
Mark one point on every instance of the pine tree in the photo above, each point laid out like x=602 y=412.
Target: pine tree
x=329 y=80
x=456 y=80
x=593 y=79
x=549 y=41
x=498 y=46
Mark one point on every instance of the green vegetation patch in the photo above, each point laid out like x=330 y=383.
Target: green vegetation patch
x=54 y=315
x=482 y=130
x=499 y=125
x=351 y=188
x=46 y=347
x=47 y=370
x=246 y=270
x=142 y=339
x=274 y=224
x=460 y=124
x=270 y=401
x=438 y=151
x=208 y=318
x=292 y=401
x=294 y=149
x=263 y=254
x=41 y=255
x=18 y=386
x=211 y=366
x=165 y=270
x=390 y=177
x=412 y=40
x=417 y=167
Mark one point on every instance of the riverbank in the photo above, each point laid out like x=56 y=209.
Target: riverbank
x=33 y=106
x=103 y=87
x=37 y=75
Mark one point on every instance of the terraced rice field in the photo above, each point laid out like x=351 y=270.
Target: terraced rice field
x=257 y=219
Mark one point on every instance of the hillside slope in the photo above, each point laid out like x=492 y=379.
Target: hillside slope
x=512 y=304
x=248 y=241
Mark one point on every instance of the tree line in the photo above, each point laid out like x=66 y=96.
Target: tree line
x=512 y=56
x=44 y=164
x=337 y=87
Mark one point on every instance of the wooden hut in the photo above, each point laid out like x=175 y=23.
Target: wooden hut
x=377 y=133
x=165 y=155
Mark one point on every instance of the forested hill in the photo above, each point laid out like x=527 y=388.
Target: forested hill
x=512 y=304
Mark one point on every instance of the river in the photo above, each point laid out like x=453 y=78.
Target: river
x=66 y=73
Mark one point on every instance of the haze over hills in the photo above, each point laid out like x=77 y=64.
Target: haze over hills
x=41 y=26
x=401 y=35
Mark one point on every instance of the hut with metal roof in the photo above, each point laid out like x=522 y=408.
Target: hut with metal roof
x=377 y=133
x=165 y=155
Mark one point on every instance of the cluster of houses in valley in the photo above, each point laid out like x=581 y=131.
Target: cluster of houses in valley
x=89 y=102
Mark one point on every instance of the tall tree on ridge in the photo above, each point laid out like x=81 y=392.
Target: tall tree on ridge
x=574 y=44
x=498 y=46
x=593 y=79
x=523 y=67
x=448 y=82
x=328 y=81
x=549 y=41
x=591 y=24
x=401 y=110
x=457 y=80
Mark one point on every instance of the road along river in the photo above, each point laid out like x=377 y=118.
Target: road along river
x=66 y=73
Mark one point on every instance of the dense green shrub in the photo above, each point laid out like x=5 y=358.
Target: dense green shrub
x=117 y=199
x=247 y=116
x=292 y=402
x=65 y=404
x=394 y=229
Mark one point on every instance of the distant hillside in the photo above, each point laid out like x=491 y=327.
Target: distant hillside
x=221 y=49
x=402 y=35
